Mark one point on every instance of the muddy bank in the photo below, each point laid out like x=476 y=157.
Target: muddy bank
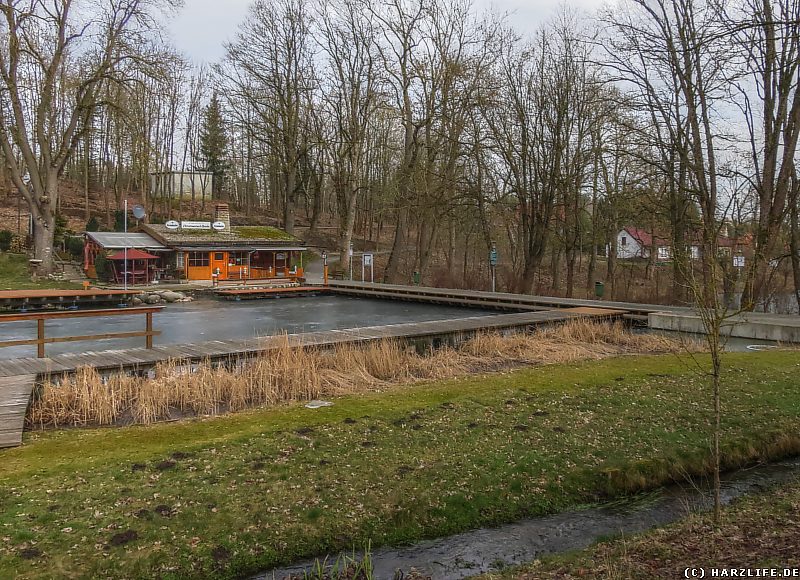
x=491 y=549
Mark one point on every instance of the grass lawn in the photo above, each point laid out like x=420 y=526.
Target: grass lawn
x=755 y=532
x=233 y=495
x=14 y=275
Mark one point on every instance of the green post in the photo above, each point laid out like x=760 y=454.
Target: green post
x=416 y=278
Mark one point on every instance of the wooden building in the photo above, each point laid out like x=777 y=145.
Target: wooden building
x=208 y=250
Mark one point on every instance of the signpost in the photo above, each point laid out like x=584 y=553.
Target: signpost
x=738 y=261
x=324 y=268
x=493 y=264
x=367 y=260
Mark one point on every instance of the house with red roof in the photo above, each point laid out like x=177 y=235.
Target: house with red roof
x=636 y=243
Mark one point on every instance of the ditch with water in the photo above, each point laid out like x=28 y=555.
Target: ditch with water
x=491 y=549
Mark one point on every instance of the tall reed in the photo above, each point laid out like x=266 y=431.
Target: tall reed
x=289 y=373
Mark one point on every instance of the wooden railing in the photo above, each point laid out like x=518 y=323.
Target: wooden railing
x=41 y=317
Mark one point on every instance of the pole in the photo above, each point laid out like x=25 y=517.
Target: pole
x=40 y=338
x=351 y=262
x=493 y=265
x=149 y=329
x=125 y=249
x=324 y=268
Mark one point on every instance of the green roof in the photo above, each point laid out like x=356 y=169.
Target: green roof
x=237 y=236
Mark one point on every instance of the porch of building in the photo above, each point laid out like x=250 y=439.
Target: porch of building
x=242 y=265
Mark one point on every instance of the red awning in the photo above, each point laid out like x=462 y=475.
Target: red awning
x=133 y=254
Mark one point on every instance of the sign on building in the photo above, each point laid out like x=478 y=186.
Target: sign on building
x=193 y=225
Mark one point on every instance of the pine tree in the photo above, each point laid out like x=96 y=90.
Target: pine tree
x=214 y=145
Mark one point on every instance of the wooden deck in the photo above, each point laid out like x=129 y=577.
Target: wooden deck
x=493 y=300
x=255 y=293
x=18 y=376
x=15 y=392
x=24 y=299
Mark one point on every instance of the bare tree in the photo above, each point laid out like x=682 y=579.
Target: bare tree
x=270 y=66
x=351 y=98
x=56 y=60
x=767 y=35
x=675 y=56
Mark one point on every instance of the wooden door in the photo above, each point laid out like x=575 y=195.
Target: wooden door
x=219 y=262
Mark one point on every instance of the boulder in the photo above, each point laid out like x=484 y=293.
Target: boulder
x=136 y=301
x=170 y=296
x=153 y=299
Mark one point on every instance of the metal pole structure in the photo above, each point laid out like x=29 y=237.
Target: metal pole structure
x=125 y=249
x=351 y=262
x=324 y=268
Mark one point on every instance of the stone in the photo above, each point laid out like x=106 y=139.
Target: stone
x=153 y=299
x=170 y=297
x=136 y=301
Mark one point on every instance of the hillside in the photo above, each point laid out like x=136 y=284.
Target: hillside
x=102 y=202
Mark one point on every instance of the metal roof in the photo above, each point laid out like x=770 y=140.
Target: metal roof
x=119 y=240
x=253 y=248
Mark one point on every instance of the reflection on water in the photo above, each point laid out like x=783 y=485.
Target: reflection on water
x=208 y=319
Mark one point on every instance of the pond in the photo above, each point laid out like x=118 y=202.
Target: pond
x=208 y=319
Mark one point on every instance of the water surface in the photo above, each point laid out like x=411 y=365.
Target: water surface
x=209 y=319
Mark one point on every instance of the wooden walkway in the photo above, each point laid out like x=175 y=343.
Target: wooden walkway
x=18 y=376
x=22 y=299
x=15 y=392
x=254 y=293
x=492 y=300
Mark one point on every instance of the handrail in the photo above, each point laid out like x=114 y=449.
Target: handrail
x=41 y=317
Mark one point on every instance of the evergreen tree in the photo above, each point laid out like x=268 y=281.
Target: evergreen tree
x=214 y=144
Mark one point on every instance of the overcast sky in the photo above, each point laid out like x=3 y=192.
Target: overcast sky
x=202 y=26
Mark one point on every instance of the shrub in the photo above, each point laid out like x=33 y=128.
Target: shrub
x=102 y=266
x=93 y=225
x=74 y=245
x=5 y=240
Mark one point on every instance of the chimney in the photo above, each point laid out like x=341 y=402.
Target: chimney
x=223 y=214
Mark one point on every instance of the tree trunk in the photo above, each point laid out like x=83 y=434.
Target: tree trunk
x=392 y=273
x=346 y=225
x=794 y=243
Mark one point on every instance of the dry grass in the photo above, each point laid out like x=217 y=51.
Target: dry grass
x=289 y=374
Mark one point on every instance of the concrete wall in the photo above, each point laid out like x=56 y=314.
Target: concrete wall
x=774 y=327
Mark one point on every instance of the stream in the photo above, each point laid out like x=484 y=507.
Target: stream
x=489 y=549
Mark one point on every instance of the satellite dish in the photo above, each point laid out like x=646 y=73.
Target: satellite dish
x=138 y=212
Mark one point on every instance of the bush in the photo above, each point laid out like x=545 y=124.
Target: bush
x=74 y=246
x=5 y=240
x=93 y=225
x=102 y=266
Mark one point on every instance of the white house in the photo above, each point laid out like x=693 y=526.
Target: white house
x=633 y=243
